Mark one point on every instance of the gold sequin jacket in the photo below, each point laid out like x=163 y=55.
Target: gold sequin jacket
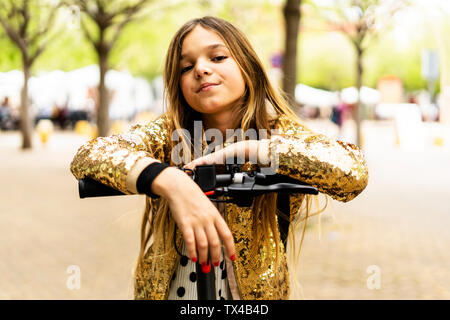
x=336 y=168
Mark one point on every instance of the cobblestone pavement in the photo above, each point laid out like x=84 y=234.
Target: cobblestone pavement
x=393 y=237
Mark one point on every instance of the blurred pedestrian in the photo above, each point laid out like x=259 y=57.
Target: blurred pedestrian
x=6 y=119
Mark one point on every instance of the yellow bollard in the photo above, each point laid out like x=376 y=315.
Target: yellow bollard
x=82 y=127
x=396 y=137
x=44 y=128
x=93 y=131
x=438 y=141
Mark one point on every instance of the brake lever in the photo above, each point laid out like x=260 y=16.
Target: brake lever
x=241 y=187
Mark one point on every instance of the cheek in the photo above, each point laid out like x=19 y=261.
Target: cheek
x=238 y=87
x=236 y=79
x=184 y=85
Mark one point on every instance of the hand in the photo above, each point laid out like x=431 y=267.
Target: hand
x=198 y=219
x=247 y=149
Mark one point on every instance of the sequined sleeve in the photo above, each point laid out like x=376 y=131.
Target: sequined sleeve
x=334 y=167
x=110 y=159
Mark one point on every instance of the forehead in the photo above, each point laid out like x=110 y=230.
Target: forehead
x=200 y=39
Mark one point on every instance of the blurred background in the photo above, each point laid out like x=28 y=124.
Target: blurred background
x=372 y=72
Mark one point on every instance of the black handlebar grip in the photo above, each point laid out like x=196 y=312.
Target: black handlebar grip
x=206 y=283
x=88 y=188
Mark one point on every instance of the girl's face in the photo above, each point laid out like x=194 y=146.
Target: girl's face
x=211 y=80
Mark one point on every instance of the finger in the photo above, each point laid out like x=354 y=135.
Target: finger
x=229 y=152
x=219 y=157
x=214 y=158
x=200 y=161
x=190 y=166
x=214 y=244
x=189 y=241
x=202 y=244
x=188 y=171
x=227 y=237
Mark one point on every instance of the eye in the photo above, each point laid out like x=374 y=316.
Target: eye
x=219 y=58
x=185 y=69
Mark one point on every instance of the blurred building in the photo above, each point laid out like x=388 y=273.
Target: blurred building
x=444 y=105
x=67 y=97
x=390 y=89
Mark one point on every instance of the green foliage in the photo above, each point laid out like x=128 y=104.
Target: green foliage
x=142 y=46
x=388 y=58
x=27 y=24
x=325 y=59
x=68 y=52
x=9 y=54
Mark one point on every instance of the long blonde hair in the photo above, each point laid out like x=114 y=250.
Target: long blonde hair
x=251 y=114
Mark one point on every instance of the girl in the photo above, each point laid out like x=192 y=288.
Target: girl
x=213 y=75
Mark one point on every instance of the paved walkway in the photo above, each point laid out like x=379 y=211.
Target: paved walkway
x=398 y=228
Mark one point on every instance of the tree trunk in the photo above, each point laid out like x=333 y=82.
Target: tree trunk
x=357 y=109
x=291 y=13
x=103 y=103
x=26 y=123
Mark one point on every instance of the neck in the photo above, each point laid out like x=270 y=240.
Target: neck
x=221 y=121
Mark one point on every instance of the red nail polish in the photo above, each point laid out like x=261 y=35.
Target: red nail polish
x=206 y=268
x=216 y=264
x=194 y=259
x=233 y=257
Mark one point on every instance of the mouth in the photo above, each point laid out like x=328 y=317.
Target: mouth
x=206 y=87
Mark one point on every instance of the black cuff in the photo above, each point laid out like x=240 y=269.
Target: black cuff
x=145 y=180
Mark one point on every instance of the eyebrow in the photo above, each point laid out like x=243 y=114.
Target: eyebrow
x=210 y=47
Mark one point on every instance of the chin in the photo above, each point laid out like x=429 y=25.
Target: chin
x=210 y=108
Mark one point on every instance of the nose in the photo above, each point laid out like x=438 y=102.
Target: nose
x=202 y=69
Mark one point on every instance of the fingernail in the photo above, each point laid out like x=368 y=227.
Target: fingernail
x=216 y=264
x=233 y=257
x=206 y=268
x=194 y=259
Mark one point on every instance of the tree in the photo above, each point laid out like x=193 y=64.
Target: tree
x=361 y=21
x=291 y=12
x=27 y=24
x=108 y=18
